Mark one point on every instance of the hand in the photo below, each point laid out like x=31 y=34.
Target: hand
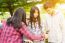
x=43 y=36
x=28 y=41
x=46 y=36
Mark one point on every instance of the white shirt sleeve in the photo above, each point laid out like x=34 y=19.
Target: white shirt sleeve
x=62 y=22
x=44 y=26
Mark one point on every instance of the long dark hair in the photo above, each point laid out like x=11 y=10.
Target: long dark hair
x=18 y=17
x=32 y=19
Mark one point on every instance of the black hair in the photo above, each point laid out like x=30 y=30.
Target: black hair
x=18 y=17
x=32 y=19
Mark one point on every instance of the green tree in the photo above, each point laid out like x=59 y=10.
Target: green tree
x=9 y=5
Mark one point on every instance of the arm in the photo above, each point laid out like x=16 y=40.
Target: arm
x=62 y=22
x=44 y=29
x=0 y=31
x=29 y=35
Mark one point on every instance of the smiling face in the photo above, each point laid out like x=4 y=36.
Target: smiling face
x=50 y=11
x=36 y=14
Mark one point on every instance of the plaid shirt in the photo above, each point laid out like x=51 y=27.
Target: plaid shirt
x=10 y=35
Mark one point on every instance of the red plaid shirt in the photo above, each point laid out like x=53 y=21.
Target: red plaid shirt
x=10 y=35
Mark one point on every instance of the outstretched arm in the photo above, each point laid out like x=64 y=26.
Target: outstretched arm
x=30 y=35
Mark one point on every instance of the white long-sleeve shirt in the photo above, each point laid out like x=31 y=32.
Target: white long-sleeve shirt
x=55 y=24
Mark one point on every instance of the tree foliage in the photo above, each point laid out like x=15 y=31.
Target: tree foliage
x=10 y=5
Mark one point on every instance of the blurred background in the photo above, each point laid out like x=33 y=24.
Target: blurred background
x=7 y=7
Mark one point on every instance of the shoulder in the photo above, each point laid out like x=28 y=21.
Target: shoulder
x=4 y=25
x=23 y=25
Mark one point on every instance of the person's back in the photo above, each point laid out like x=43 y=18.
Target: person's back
x=10 y=35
